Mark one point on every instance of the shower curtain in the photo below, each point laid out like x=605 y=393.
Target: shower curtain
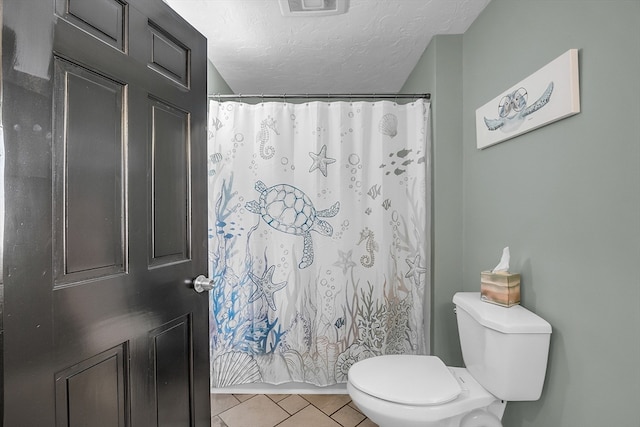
x=319 y=239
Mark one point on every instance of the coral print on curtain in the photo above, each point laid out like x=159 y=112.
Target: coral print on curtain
x=318 y=237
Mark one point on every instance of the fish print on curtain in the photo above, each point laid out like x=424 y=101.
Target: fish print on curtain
x=318 y=237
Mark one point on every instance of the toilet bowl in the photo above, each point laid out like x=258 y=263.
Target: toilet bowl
x=505 y=351
x=417 y=391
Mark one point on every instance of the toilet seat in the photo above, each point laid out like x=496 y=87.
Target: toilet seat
x=406 y=379
x=389 y=413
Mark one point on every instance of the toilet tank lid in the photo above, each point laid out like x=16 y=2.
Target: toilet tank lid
x=512 y=320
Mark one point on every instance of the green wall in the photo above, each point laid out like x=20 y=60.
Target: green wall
x=565 y=198
x=215 y=82
x=439 y=72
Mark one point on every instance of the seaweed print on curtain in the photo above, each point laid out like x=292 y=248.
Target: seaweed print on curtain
x=317 y=237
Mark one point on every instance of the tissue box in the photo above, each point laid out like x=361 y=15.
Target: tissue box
x=501 y=288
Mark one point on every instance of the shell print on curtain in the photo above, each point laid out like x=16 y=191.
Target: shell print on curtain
x=318 y=237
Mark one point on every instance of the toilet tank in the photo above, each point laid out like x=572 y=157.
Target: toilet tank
x=505 y=349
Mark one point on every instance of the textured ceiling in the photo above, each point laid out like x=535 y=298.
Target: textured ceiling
x=371 y=49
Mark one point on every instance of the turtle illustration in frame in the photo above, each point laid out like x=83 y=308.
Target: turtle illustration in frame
x=513 y=109
x=288 y=209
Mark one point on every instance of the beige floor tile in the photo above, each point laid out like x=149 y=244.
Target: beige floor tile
x=277 y=397
x=243 y=397
x=293 y=403
x=348 y=417
x=217 y=422
x=354 y=406
x=222 y=402
x=367 y=423
x=258 y=411
x=310 y=416
x=328 y=403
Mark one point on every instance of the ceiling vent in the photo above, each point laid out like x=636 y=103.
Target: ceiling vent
x=310 y=8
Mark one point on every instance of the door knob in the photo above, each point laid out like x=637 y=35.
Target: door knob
x=202 y=283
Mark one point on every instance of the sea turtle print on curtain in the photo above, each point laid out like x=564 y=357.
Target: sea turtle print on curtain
x=288 y=209
x=318 y=237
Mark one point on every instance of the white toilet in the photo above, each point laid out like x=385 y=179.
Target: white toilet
x=505 y=351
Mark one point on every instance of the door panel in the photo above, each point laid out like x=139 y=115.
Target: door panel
x=104 y=19
x=171 y=357
x=169 y=56
x=90 y=179
x=105 y=221
x=170 y=183
x=92 y=393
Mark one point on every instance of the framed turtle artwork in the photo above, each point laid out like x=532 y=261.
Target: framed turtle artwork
x=548 y=95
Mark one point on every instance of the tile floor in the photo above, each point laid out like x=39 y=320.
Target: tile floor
x=286 y=410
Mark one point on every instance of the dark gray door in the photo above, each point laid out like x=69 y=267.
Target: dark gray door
x=104 y=115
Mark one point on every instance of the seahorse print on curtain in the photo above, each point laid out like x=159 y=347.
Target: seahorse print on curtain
x=318 y=237
x=263 y=136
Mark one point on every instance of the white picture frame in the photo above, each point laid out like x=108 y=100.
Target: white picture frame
x=548 y=95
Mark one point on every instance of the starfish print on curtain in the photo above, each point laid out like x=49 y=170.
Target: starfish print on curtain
x=320 y=160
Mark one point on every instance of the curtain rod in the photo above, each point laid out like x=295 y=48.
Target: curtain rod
x=325 y=96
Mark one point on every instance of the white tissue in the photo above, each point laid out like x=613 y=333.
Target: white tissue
x=503 y=265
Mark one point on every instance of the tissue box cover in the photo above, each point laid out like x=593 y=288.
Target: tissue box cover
x=501 y=288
